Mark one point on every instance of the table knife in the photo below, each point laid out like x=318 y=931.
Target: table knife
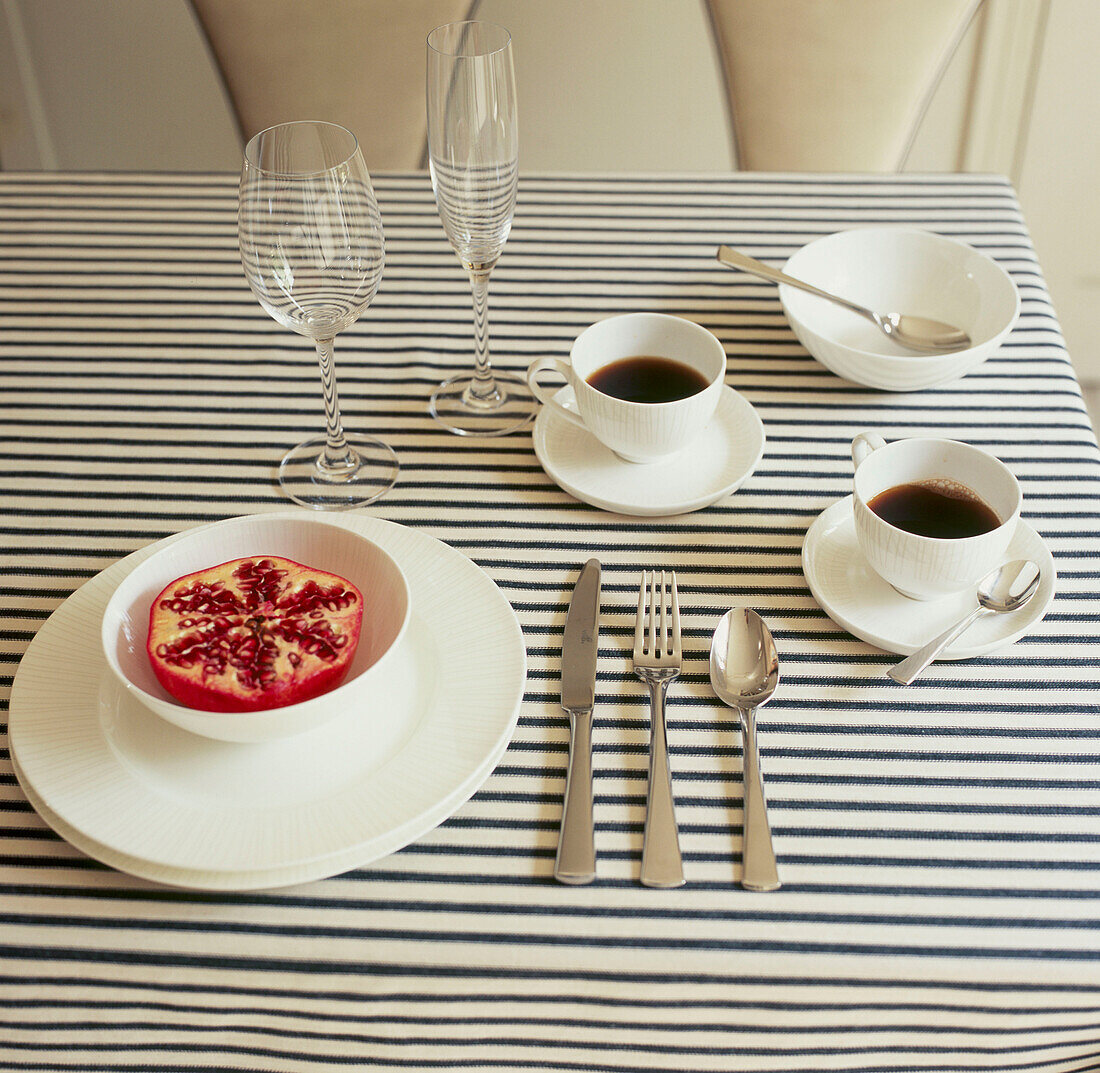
x=576 y=860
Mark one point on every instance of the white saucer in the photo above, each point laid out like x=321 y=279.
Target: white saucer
x=715 y=464
x=855 y=597
x=152 y=799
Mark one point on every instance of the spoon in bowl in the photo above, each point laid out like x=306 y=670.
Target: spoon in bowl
x=916 y=333
x=744 y=671
x=1005 y=589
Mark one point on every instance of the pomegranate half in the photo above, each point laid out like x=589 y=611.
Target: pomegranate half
x=253 y=634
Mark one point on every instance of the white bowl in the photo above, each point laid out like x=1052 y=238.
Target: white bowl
x=897 y=270
x=308 y=540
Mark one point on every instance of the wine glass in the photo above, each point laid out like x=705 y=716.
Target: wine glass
x=311 y=244
x=473 y=154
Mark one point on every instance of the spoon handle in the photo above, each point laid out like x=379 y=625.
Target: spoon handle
x=736 y=259
x=908 y=669
x=758 y=869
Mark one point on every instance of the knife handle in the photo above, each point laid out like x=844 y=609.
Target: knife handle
x=576 y=860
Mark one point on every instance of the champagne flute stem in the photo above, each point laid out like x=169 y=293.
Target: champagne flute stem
x=338 y=457
x=483 y=387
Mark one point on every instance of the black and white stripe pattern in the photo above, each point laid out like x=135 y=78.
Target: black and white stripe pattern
x=938 y=843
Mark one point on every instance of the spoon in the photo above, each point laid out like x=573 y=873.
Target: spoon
x=744 y=671
x=1004 y=589
x=916 y=333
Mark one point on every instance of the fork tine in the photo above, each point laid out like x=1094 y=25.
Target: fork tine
x=675 y=649
x=662 y=636
x=663 y=649
x=652 y=614
x=657 y=624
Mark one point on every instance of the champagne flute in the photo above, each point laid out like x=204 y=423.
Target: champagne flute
x=473 y=153
x=311 y=243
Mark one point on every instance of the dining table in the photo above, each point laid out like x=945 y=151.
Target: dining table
x=938 y=844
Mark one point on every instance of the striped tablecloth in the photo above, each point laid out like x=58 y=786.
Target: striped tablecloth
x=939 y=844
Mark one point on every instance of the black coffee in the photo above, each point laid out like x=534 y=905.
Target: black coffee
x=648 y=379
x=935 y=509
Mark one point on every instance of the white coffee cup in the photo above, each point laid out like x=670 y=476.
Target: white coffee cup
x=922 y=567
x=637 y=431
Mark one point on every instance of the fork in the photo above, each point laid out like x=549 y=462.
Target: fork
x=657 y=659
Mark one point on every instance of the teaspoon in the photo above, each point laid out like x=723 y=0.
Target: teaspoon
x=1004 y=589
x=916 y=333
x=744 y=671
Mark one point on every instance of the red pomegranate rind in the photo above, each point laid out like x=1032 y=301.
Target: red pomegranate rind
x=253 y=634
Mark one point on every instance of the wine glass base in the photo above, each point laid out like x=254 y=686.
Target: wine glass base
x=455 y=406
x=370 y=474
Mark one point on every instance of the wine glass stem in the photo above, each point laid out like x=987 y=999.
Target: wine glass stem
x=483 y=386
x=338 y=457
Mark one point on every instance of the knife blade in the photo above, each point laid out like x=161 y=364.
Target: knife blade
x=576 y=859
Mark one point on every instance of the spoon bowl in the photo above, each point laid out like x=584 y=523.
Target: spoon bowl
x=1009 y=587
x=744 y=662
x=1000 y=592
x=744 y=673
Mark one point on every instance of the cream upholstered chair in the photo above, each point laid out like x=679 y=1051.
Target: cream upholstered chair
x=345 y=61
x=813 y=85
x=833 y=85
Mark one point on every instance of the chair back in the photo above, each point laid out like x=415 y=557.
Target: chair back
x=359 y=63
x=833 y=85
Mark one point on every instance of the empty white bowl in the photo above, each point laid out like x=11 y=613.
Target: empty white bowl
x=897 y=270
x=308 y=540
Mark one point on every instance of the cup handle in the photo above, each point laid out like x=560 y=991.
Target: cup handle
x=546 y=395
x=864 y=444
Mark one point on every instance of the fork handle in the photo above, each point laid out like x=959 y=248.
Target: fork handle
x=661 y=862
x=758 y=868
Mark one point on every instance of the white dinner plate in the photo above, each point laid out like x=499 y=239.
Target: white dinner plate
x=191 y=878
x=361 y=786
x=712 y=466
x=855 y=597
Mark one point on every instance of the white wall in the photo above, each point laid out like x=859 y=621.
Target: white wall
x=1060 y=176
